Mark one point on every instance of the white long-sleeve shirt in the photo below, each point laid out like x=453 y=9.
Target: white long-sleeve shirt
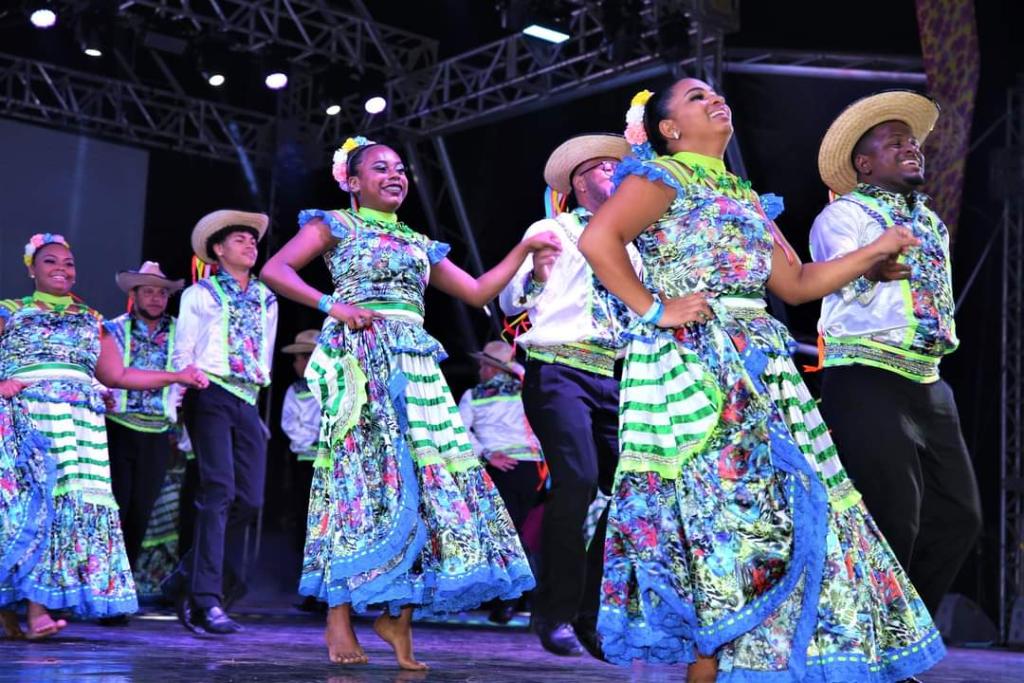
x=572 y=307
x=202 y=337
x=498 y=424
x=300 y=420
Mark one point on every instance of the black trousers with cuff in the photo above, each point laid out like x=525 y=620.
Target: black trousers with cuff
x=575 y=415
x=231 y=454
x=901 y=444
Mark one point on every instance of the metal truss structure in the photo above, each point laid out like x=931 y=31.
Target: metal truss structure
x=1011 y=457
x=128 y=112
x=305 y=32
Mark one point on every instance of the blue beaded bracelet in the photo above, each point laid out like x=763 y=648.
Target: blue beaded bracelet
x=654 y=313
x=325 y=303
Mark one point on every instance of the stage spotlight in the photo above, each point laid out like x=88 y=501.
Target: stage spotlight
x=276 y=80
x=333 y=109
x=215 y=79
x=43 y=17
x=89 y=38
x=375 y=104
x=546 y=33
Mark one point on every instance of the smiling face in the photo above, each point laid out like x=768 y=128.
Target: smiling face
x=694 y=116
x=53 y=269
x=238 y=249
x=380 y=182
x=890 y=157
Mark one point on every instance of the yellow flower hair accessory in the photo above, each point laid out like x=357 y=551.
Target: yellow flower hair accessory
x=635 y=133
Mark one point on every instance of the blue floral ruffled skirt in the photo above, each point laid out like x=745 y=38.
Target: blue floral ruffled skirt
x=754 y=548
x=60 y=544
x=401 y=512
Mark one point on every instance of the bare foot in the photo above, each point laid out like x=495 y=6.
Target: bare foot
x=342 y=645
x=40 y=623
x=704 y=670
x=12 y=630
x=397 y=632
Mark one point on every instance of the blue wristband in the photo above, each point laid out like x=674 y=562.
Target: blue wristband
x=654 y=313
x=325 y=303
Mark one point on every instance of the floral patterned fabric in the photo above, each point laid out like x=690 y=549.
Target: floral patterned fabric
x=733 y=529
x=929 y=290
x=147 y=350
x=401 y=512
x=62 y=538
x=245 y=333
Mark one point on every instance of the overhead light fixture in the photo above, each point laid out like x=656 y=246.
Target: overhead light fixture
x=375 y=104
x=275 y=80
x=43 y=17
x=333 y=109
x=546 y=33
x=215 y=78
x=89 y=37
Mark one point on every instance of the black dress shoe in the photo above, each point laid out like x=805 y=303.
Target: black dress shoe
x=558 y=638
x=586 y=633
x=215 y=620
x=183 y=608
x=502 y=613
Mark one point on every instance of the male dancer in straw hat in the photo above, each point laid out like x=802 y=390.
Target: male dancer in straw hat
x=492 y=412
x=570 y=391
x=138 y=421
x=226 y=327
x=893 y=418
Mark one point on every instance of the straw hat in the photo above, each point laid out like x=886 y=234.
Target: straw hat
x=835 y=156
x=149 y=273
x=212 y=222
x=570 y=154
x=305 y=342
x=500 y=355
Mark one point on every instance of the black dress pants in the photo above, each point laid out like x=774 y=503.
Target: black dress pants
x=230 y=449
x=138 y=465
x=575 y=415
x=901 y=444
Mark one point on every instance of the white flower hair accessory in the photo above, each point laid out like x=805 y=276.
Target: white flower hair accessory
x=339 y=169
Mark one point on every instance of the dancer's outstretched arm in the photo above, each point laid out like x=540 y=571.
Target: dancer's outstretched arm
x=797 y=283
x=452 y=280
x=111 y=372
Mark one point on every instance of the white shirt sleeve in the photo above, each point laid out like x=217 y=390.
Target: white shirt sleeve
x=522 y=291
x=270 y=331
x=837 y=231
x=466 y=413
x=187 y=329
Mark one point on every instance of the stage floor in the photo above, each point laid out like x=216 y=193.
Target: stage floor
x=278 y=646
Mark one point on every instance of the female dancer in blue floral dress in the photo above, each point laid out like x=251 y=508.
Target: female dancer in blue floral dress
x=401 y=513
x=60 y=539
x=735 y=541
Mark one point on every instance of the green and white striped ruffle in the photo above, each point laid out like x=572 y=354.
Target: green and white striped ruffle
x=668 y=407
x=78 y=440
x=436 y=433
x=338 y=384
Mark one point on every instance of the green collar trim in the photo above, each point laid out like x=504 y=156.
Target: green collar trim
x=693 y=159
x=373 y=214
x=52 y=299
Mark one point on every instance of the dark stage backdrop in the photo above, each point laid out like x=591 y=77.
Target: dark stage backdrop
x=92 y=192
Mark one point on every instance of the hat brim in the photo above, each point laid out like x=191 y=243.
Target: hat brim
x=299 y=348
x=224 y=218
x=570 y=154
x=128 y=280
x=512 y=367
x=835 y=163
